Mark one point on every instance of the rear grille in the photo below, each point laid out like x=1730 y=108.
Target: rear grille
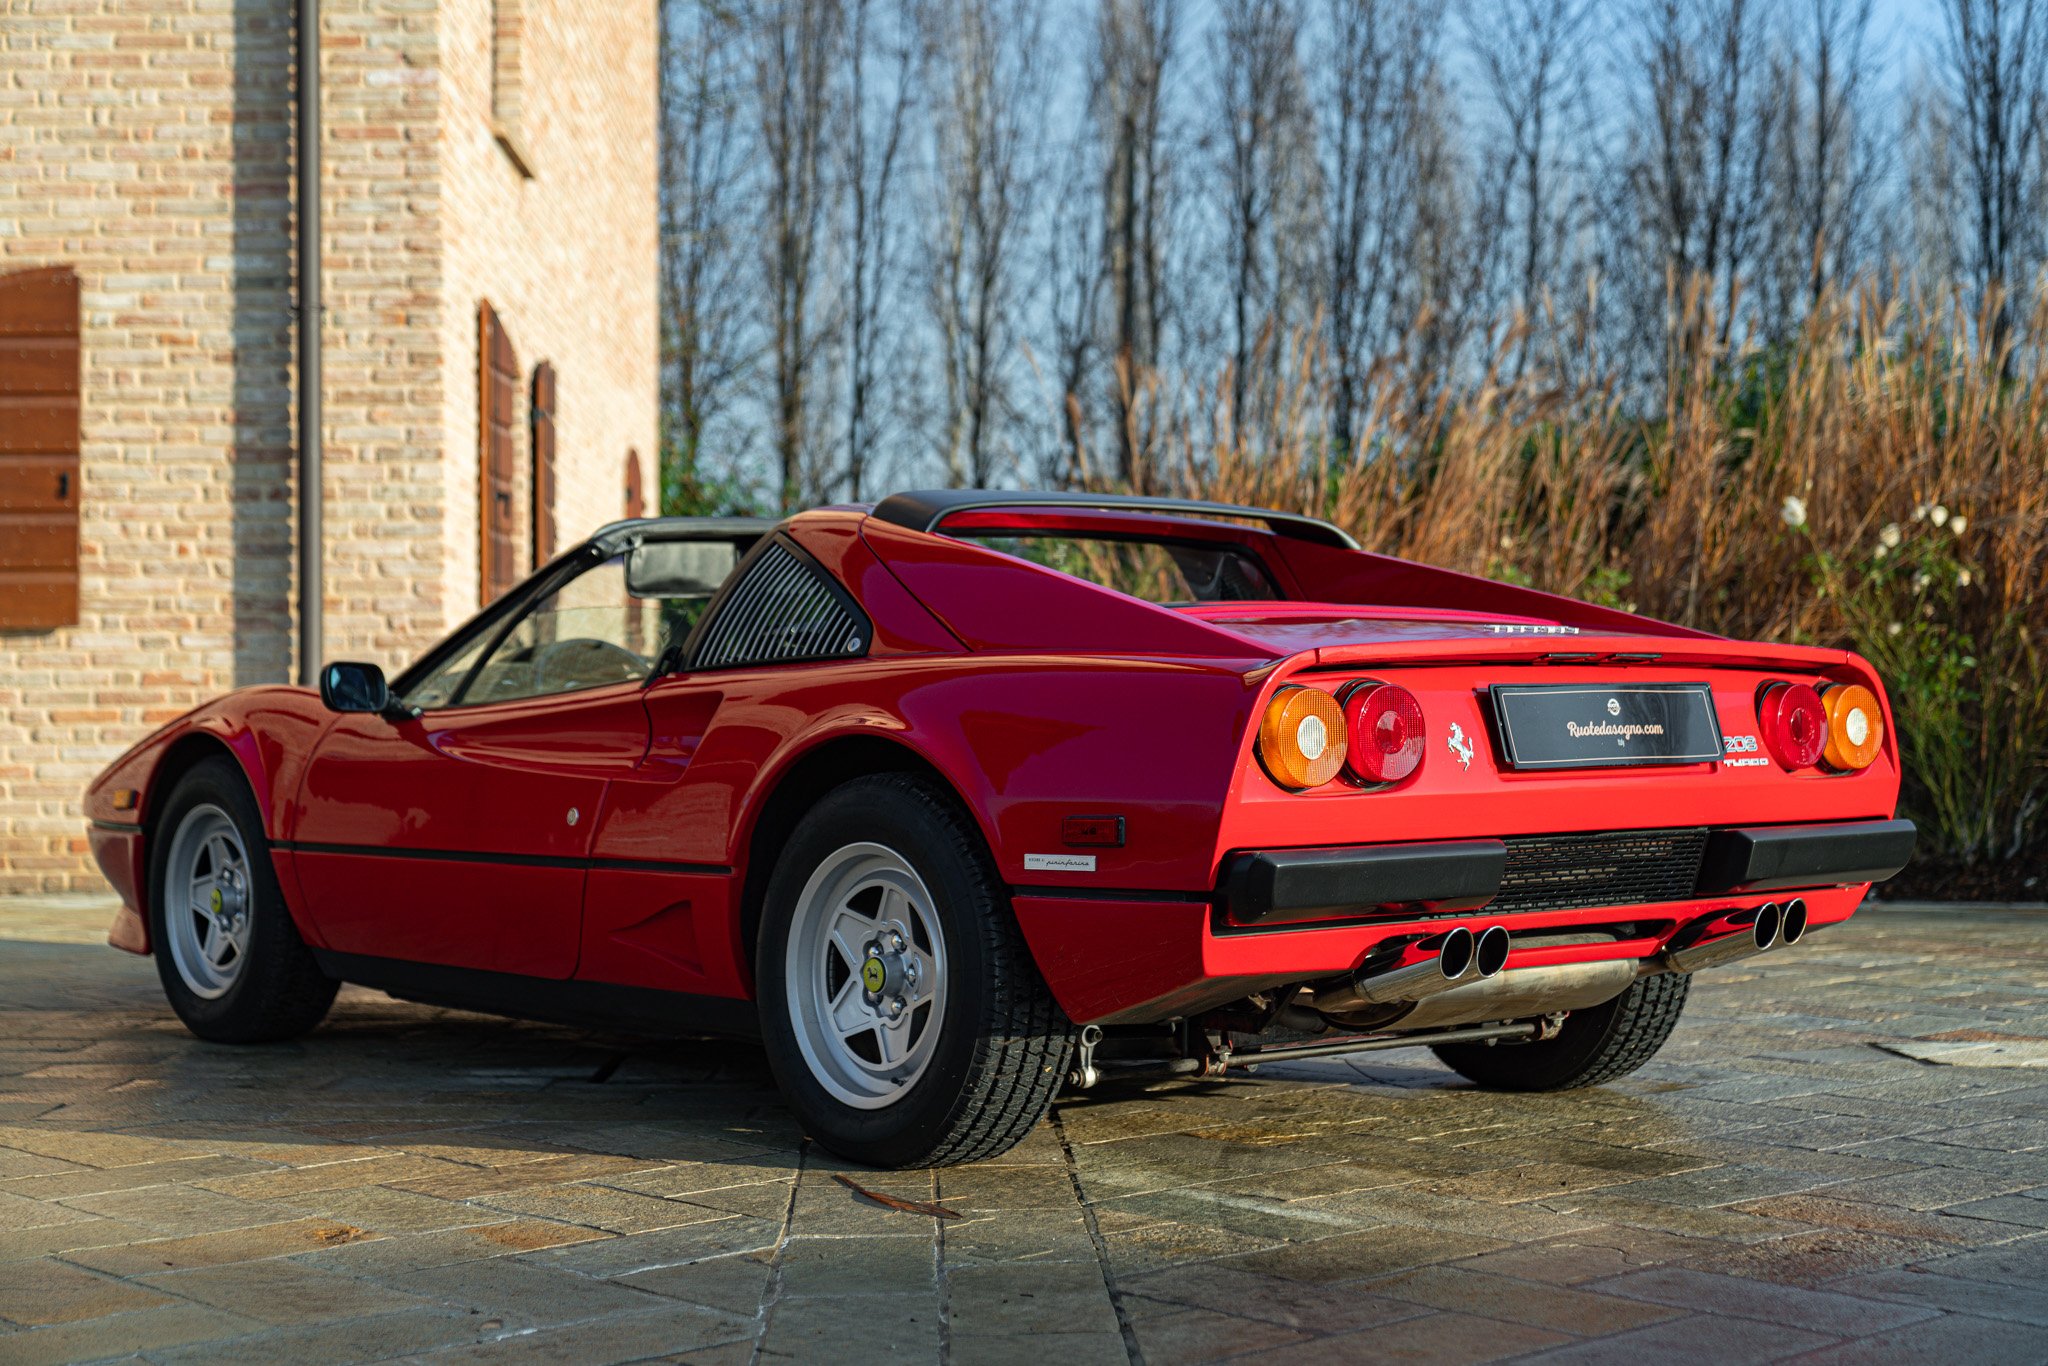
x=1625 y=868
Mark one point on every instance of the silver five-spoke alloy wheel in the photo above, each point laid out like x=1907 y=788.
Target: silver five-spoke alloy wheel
x=209 y=901
x=866 y=975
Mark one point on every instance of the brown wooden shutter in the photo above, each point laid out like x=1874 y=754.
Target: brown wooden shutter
x=636 y=497
x=497 y=456
x=543 y=423
x=39 y=449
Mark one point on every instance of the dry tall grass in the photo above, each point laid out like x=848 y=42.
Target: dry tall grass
x=1877 y=482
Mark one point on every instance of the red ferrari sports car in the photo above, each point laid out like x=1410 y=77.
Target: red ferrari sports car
x=965 y=796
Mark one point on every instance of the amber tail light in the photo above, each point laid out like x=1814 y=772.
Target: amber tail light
x=1855 y=726
x=1794 y=724
x=1301 y=738
x=1384 y=724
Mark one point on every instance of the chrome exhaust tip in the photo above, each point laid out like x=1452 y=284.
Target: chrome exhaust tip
x=1454 y=961
x=1792 y=928
x=1491 y=952
x=1743 y=935
x=1769 y=921
x=1459 y=953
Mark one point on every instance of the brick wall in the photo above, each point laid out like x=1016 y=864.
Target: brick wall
x=146 y=144
x=566 y=256
x=381 y=100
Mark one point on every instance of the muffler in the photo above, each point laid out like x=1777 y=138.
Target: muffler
x=1462 y=957
x=1738 y=935
x=1520 y=993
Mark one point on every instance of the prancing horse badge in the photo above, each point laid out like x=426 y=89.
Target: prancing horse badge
x=1460 y=746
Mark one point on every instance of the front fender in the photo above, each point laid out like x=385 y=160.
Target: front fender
x=270 y=732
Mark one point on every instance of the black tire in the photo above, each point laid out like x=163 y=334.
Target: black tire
x=1003 y=1042
x=1596 y=1045
x=278 y=990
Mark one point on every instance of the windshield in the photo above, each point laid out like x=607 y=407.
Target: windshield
x=1170 y=573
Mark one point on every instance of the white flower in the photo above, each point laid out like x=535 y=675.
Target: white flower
x=1891 y=535
x=1920 y=582
x=1938 y=515
x=1964 y=578
x=1920 y=512
x=1893 y=629
x=1959 y=524
x=1879 y=553
x=1793 y=514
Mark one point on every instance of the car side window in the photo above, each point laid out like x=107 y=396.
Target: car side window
x=588 y=633
x=439 y=687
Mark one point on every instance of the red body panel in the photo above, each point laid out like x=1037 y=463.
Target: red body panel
x=1035 y=696
x=269 y=731
x=504 y=786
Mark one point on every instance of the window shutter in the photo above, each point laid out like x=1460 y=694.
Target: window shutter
x=543 y=424
x=39 y=449
x=497 y=458
x=636 y=497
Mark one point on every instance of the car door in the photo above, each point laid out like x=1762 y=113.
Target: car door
x=461 y=835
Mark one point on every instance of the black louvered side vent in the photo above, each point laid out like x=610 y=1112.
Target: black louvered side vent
x=783 y=611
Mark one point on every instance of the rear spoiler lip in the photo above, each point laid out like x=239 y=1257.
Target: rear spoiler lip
x=924 y=509
x=1580 y=651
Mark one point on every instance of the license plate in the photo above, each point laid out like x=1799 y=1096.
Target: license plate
x=1576 y=725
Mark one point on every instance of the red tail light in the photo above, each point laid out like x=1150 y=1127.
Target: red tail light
x=1385 y=725
x=1794 y=723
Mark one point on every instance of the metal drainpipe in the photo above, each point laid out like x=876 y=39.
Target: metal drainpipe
x=312 y=537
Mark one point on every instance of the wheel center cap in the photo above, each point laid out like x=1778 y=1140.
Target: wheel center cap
x=216 y=901
x=874 y=975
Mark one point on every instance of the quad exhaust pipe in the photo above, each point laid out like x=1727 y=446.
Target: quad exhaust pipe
x=1462 y=957
x=1747 y=933
x=1461 y=960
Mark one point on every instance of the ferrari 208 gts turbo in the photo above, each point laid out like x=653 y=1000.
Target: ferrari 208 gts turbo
x=963 y=797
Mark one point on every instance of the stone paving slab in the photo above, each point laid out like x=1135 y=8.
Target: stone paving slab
x=1782 y=1183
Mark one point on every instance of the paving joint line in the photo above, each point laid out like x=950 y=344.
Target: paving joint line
x=771 y=1293
x=1124 y=1325
x=939 y=1277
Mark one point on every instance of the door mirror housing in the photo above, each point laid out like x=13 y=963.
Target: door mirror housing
x=350 y=687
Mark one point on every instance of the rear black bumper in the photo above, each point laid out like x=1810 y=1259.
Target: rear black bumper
x=1289 y=885
x=1294 y=886
x=1766 y=858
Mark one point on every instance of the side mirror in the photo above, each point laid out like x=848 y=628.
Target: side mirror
x=349 y=687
